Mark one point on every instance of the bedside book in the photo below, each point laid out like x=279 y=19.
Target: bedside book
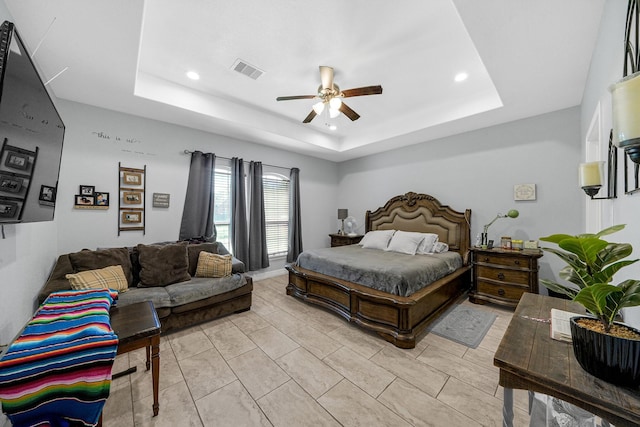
x=560 y=325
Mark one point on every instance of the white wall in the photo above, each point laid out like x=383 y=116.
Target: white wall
x=478 y=170
x=25 y=260
x=606 y=68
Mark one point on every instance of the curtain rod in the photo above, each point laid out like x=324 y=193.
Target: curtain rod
x=227 y=158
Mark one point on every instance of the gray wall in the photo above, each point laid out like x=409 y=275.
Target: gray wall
x=478 y=170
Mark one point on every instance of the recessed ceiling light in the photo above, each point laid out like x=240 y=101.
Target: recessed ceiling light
x=460 y=77
x=193 y=75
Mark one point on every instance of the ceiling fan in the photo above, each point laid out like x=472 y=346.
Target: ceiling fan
x=331 y=96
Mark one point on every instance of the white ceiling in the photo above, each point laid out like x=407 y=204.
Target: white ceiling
x=523 y=58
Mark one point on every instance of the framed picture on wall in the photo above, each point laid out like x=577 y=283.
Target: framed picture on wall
x=47 y=196
x=87 y=190
x=10 y=183
x=132 y=197
x=8 y=208
x=132 y=178
x=131 y=217
x=82 y=200
x=17 y=160
x=102 y=198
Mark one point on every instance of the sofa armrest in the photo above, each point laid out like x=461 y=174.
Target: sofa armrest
x=57 y=280
x=237 y=266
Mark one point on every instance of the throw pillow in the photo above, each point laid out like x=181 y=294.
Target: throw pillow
x=162 y=265
x=440 y=247
x=93 y=260
x=213 y=265
x=378 y=239
x=405 y=242
x=111 y=277
x=194 y=252
x=426 y=247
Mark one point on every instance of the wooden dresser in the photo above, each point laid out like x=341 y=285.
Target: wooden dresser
x=344 y=239
x=502 y=276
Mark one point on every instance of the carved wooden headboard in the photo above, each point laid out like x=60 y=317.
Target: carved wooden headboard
x=425 y=214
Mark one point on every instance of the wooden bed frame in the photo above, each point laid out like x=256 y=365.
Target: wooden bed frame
x=397 y=319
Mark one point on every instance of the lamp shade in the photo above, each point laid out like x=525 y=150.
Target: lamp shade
x=343 y=213
x=625 y=100
x=513 y=213
x=591 y=174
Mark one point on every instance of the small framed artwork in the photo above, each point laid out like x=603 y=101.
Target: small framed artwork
x=102 y=198
x=82 y=200
x=17 y=160
x=87 y=190
x=132 y=197
x=8 y=209
x=47 y=196
x=160 y=200
x=132 y=178
x=524 y=192
x=10 y=183
x=131 y=217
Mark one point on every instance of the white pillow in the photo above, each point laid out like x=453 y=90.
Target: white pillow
x=378 y=239
x=440 y=247
x=426 y=247
x=405 y=242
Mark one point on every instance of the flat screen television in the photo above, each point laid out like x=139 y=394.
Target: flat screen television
x=31 y=136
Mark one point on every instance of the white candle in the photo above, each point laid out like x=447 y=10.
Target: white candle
x=591 y=174
x=625 y=99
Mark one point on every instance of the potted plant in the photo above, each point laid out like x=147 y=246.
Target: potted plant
x=605 y=348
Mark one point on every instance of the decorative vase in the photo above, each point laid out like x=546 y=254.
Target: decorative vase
x=610 y=358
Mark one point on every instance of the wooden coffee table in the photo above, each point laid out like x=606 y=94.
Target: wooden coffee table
x=137 y=326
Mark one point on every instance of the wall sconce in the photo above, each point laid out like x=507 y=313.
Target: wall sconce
x=591 y=179
x=342 y=215
x=625 y=94
x=511 y=214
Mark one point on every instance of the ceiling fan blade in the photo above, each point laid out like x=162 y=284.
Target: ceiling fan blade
x=344 y=108
x=326 y=77
x=310 y=117
x=289 y=98
x=360 y=91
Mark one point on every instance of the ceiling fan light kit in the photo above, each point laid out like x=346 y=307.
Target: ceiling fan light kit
x=330 y=93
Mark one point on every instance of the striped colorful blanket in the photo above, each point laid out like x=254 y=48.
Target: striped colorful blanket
x=58 y=371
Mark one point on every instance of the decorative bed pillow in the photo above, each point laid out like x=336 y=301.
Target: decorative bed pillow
x=378 y=239
x=426 y=247
x=111 y=277
x=162 y=265
x=93 y=260
x=213 y=265
x=405 y=242
x=440 y=247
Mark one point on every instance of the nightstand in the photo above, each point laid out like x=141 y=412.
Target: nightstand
x=344 y=239
x=501 y=276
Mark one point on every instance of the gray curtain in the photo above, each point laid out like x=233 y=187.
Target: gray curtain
x=197 y=215
x=258 y=253
x=295 y=222
x=239 y=238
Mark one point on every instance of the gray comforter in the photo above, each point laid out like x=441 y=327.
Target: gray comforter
x=391 y=272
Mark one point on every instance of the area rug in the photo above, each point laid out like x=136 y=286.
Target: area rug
x=464 y=324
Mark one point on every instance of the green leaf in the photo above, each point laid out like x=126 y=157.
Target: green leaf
x=585 y=249
x=611 y=253
x=594 y=298
x=631 y=293
x=611 y=230
x=606 y=275
x=557 y=287
x=556 y=238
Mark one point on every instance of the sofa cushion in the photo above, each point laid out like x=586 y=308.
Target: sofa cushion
x=200 y=288
x=162 y=265
x=111 y=277
x=157 y=295
x=194 y=252
x=94 y=260
x=213 y=265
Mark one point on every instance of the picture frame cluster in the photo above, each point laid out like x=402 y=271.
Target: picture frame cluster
x=131 y=203
x=88 y=196
x=16 y=171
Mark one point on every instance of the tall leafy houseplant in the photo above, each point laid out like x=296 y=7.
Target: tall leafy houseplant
x=591 y=264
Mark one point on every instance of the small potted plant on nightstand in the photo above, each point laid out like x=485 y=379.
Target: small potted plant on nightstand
x=606 y=349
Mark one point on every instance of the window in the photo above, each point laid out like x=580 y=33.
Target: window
x=222 y=206
x=276 y=212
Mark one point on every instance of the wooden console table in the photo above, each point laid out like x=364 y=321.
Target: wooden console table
x=529 y=359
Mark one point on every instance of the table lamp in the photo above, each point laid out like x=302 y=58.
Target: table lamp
x=511 y=214
x=342 y=215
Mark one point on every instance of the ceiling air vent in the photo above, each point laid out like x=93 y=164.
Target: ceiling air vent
x=247 y=69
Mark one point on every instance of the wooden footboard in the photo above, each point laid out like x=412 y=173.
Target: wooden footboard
x=397 y=319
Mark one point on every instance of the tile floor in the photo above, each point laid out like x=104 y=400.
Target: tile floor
x=267 y=367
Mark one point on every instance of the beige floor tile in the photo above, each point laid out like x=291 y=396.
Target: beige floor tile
x=189 y=344
x=324 y=320
x=206 y=372
x=289 y=405
x=421 y=375
x=314 y=376
x=217 y=324
x=481 y=356
x=257 y=372
x=176 y=409
x=358 y=340
x=360 y=371
x=141 y=380
x=118 y=410
x=273 y=342
x=420 y=409
x=315 y=341
x=261 y=306
x=231 y=406
x=230 y=342
x=441 y=343
x=284 y=321
x=483 y=408
x=353 y=407
x=484 y=379
x=249 y=322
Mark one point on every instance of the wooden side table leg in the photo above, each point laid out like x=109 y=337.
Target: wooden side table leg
x=155 y=372
x=148 y=350
x=507 y=408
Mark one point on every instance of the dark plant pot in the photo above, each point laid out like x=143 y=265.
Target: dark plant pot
x=612 y=359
